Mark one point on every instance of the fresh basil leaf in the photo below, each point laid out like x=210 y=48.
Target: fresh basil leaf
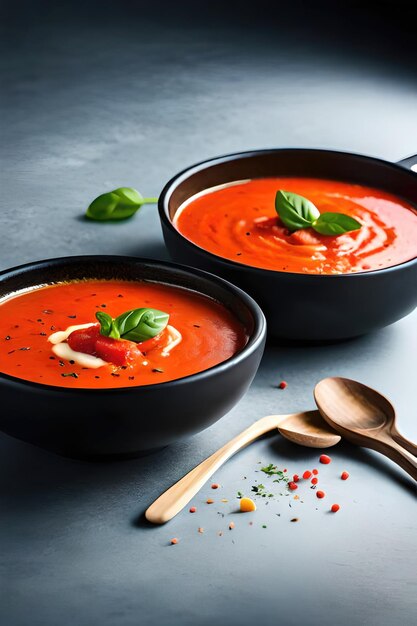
x=129 y=196
x=295 y=211
x=136 y=325
x=335 y=224
x=141 y=324
x=118 y=204
x=107 y=327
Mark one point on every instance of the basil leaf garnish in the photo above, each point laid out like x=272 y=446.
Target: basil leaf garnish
x=106 y=322
x=335 y=224
x=136 y=325
x=295 y=211
x=117 y=205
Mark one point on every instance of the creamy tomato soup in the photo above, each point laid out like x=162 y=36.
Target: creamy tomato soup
x=51 y=335
x=238 y=221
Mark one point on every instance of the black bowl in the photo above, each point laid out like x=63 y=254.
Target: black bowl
x=303 y=306
x=100 y=423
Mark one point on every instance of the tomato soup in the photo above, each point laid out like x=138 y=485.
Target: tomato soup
x=205 y=333
x=238 y=221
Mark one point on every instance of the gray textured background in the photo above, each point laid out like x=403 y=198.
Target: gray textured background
x=112 y=94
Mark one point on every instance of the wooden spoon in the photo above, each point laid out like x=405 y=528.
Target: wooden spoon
x=366 y=418
x=306 y=429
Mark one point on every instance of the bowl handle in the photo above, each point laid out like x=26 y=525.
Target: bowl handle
x=410 y=163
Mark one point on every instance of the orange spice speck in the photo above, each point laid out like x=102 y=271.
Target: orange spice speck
x=201 y=530
x=224 y=500
x=209 y=501
x=192 y=509
x=231 y=525
x=174 y=541
x=315 y=472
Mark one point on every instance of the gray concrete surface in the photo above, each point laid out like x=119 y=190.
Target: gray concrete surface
x=95 y=98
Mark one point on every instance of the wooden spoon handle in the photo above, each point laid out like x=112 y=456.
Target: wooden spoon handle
x=405 y=443
x=390 y=448
x=178 y=496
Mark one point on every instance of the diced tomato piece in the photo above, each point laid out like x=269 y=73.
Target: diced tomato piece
x=151 y=344
x=117 y=351
x=84 y=339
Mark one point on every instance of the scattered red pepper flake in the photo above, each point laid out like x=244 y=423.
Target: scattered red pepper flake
x=174 y=541
x=295 y=478
x=314 y=481
x=315 y=472
x=306 y=475
x=283 y=384
x=320 y=494
x=215 y=486
x=335 y=508
x=344 y=475
x=193 y=509
x=231 y=525
x=292 y=486
x=209 y=501
x=325 y=459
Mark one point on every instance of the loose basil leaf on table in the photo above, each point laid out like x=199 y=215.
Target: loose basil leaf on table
x=117 y=205
x=295 y=211
x=137 y=325
x=335 y=224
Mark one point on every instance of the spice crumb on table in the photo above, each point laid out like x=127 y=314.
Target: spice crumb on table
x=275 y=475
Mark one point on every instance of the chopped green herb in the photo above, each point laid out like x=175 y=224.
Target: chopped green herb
x=271 y=470
x=71 y=375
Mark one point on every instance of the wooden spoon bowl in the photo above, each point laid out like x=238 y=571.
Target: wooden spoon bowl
x=366 y=418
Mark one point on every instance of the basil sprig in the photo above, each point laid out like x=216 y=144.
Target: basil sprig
x=136 y=325
x=117 y=205
x=297 y=212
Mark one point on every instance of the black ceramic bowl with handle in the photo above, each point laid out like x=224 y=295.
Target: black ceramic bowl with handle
x=102 y=423
x=303 y=306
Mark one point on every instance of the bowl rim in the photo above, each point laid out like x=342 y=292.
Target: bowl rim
x=255 y=340
x=175 y=181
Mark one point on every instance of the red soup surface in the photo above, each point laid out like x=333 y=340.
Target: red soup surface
x=239 y=222
x=210 y=333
